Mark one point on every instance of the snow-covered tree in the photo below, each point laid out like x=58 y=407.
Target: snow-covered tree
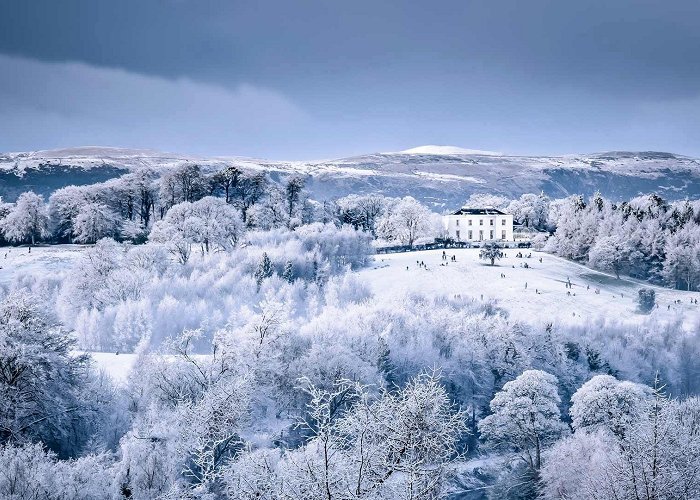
x=93 y=222
x=264 y=270
x=530 y=210
x=490 y=251
x=682 y=265
x=405 y=221
x=655 y=458
x=606 y=402
x=216 y=224
x=27 y=221
x=609 y=253
x=481 y=200
x=646 y=299
x=64 y=206
x=44 y=387
x=288 y=273
x=362 y=211
x=395 y=445
x=525 y=416
x=209 y=222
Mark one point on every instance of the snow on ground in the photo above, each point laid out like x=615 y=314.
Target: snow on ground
x=447 y=150
x=544 y=299
x=42 y=261
x=117 y=366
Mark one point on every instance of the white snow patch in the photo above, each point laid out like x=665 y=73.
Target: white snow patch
x=447 y=150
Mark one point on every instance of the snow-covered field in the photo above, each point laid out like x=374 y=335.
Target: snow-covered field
x=545 y=297
x=117 y=366
x=42 y=261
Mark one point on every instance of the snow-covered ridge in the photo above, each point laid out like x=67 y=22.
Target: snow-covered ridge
x=441 y=176
x=447 y=150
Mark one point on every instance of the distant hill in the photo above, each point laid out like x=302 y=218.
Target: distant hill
x=442 y=176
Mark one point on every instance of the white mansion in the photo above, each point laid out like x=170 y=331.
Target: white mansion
x=479 y=224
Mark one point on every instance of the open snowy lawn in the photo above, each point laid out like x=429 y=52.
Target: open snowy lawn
x=545 y=297
x=117 y=366
x=18 y=262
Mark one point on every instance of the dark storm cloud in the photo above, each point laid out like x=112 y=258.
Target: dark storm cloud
x=576 y=74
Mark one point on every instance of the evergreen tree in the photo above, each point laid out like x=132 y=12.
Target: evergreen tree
x=490 y=251
x=288 y=273
x=264 y=270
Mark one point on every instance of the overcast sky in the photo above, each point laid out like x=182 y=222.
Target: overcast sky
x=290 y=79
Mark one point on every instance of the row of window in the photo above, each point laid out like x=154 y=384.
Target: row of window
x=481 y=235
x=481 y=222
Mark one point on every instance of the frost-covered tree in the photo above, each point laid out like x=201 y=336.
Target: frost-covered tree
x=44 y=387
x=216 y=224
x=210 y=223
x=646 y=299
x=27 y=221
x=490 y=251
x=293 y=190
x=226 y=181
x=609 y=253
x=681 y=267
x=362 y=211
x=530 y=210
x=184 y=183
x=481 y=200
x=395 y=445
x=248 y=191
x=93 y=222
x=525 y=417
x=405 y=221
x=64 y=206
x=264 y=270
x=605 y=401
x=30 y=472
x=288 y=273
x=655 y=458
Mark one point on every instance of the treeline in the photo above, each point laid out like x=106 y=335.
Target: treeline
x=645 y=238
x=130 y=207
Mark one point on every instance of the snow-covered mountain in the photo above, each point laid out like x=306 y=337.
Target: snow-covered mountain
x=442 y=176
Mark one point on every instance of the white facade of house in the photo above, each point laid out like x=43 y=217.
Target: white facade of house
x=479 y=224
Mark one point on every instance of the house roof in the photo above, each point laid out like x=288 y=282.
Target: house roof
x=478 y=211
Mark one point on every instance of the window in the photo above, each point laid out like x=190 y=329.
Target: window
x=491 y=234
x=470 y=222
x=470 y=234
x=481 y=235
x=457 y=233
x=503 y=222
x=457 y=222
x=490 y=222
x=481 y=222
x=503 y=235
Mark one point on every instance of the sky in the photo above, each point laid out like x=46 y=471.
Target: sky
x=312 y=79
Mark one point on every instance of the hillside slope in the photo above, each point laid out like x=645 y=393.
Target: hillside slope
x=442 y=177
